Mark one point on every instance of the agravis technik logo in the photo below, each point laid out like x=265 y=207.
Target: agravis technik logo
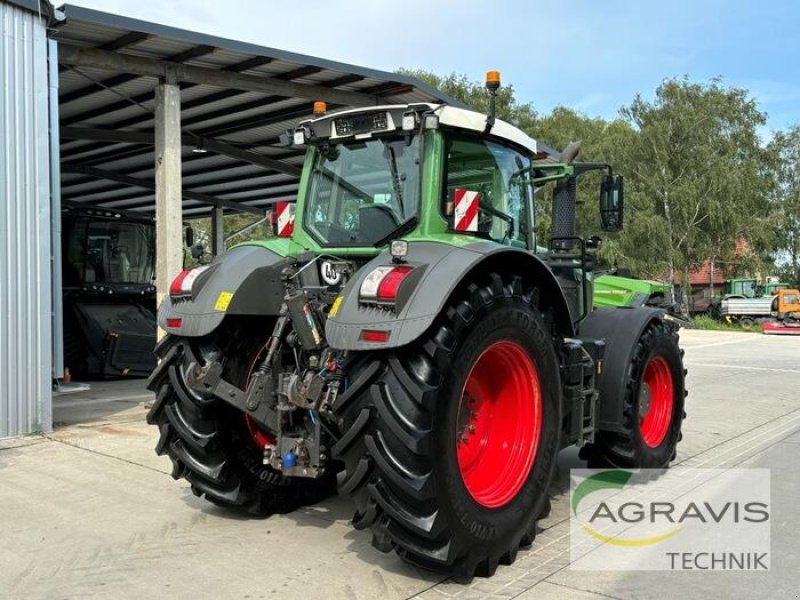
x=681 y=519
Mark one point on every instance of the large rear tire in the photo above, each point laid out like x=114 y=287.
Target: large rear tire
x=211 y=444
x=449 y=445
x=653 y=406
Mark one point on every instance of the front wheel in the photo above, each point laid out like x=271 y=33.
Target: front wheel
x=449 y=446
x=653 y=406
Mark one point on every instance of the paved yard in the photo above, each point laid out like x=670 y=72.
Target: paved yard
x=90 y=511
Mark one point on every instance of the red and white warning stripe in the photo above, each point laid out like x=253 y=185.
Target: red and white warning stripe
x=465 y=207
x=283 y=217
x=182 y=284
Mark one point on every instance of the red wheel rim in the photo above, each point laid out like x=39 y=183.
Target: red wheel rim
x=655 y=401
x=261 y=438
x=499 y=424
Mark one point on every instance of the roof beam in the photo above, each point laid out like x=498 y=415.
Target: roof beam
x=148 y=184
x=126 y=40
x=257 y=159
x=197 y=160
x=232 y=185
x=188 y=173
x=245 y=65
x=274 y=117
x=212 y=145
x=78 y=56
x=122 y=77
x=269 y=198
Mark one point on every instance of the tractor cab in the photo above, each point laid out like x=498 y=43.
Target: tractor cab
x=442 y=174
x=417 y=170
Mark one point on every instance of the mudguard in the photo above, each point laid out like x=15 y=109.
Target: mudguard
x=243 y=281
x=620 y=329
x=438 y=269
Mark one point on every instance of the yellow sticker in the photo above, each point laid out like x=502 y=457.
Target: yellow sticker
x=335 y=306
x=223 y=301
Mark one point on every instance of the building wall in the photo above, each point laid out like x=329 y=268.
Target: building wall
x=25 y=223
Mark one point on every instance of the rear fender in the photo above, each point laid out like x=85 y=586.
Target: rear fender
x=620 y=329
x=439 y=269
x=243 y=281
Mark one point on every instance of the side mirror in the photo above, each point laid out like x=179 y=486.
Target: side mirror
x=612 y=202
x=189 y=237
x=198 y=251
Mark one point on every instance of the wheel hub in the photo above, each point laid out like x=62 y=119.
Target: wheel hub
x=644 y=400
x=498 y=424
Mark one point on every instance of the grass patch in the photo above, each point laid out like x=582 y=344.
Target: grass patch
x=706 y=322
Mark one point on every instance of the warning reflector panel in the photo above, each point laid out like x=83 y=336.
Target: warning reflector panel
x=283 y=219
x=465 y=208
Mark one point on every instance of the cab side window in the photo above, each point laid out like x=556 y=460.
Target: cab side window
x=486 y=191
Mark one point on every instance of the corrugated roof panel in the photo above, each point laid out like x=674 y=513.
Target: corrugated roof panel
x=120 y=101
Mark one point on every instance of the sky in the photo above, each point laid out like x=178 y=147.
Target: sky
x=593 y=56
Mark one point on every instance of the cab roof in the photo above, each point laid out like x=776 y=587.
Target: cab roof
x=463 y=118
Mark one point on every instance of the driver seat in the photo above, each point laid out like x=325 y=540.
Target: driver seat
x=376 y=221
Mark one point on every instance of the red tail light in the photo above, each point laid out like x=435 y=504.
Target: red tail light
x=176 y=288
x=382 y=283
x=182 y=284
x=372 y=335
x=174 y=323
x=387 y=288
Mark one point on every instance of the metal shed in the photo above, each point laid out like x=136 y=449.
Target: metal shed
x=129 y=95
x=25 y=221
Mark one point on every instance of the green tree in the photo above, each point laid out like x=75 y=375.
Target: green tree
x=601 y=141
x=785 y=152
x=697 y=182
x=236 y=227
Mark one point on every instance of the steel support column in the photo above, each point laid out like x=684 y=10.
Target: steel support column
x=169 y=213
x=217 y=231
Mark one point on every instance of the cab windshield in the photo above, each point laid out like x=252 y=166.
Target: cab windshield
x=363 y=191
x=107 y=251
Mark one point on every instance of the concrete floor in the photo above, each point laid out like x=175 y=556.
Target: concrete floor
x=90 y=512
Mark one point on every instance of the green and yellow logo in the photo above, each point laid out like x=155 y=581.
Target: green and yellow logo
x=611 y=480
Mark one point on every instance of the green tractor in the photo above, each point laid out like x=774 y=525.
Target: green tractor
x=408 y=346
x=618 y=291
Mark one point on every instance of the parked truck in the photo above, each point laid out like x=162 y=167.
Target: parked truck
x=785 y=314
x=748 y=312
x=408 y=345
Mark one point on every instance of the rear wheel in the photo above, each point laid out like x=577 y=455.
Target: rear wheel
x=449 y=445
x=212 y=445
x=653 y=407
x=746 y=322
